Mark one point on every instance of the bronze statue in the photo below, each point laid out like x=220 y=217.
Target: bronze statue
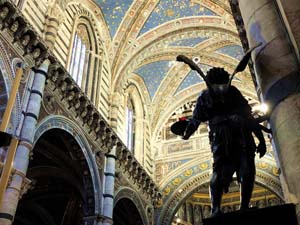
x=231 y=126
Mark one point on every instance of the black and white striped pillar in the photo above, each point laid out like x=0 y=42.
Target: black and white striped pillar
x=11 y=197
x=108 y=203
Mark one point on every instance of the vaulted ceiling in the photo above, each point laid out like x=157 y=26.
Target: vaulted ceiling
x=147 y=35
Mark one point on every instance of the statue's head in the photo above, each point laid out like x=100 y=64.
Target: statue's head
x=217 y=79
x=217 y=75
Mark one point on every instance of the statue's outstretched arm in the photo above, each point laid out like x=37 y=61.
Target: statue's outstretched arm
x=261 y=148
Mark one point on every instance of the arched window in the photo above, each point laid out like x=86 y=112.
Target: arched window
x=81 y=45
x=135 y=125
x=130 y=125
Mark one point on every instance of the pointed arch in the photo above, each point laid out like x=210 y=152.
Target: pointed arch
x=183 y=182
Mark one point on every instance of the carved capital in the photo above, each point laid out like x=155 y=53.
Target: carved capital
x=26 y=185
x=56 y=12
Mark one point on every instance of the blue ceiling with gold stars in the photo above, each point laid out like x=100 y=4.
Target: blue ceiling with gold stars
x=113 y=12
x=192 y=78
x=167 y=10
x=190 y=42
x=234 y=51
x=153 y=74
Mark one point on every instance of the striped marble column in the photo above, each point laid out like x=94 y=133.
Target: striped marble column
x=278 y=75
x=12 y=194
x=290 y=13
x=108 y=203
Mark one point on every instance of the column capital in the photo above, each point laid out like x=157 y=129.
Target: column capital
x=26 y=185
x=56 y=11
x=45 y=63
x=104 y=219
x=116 y=97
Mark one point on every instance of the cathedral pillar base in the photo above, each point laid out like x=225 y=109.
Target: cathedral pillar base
x=282 y=214
x=285 y=123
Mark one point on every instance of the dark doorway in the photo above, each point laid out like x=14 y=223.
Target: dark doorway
x=126 y=213
x=62 y=191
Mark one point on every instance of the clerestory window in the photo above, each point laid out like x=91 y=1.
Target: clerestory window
x=79 y=59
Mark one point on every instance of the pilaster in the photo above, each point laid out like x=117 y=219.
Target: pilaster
x=55 y=17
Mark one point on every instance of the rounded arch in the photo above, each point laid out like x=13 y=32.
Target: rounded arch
x=82 y=48
x=186 y=23
x=91 y=8
x=133 y=196
x=90 y=50
x=84 y=20
x=65 y=124
x=186 y=179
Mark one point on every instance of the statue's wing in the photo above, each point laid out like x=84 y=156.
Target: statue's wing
x=244 y=62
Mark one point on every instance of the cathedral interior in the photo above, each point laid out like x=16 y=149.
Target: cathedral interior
x=99 y=88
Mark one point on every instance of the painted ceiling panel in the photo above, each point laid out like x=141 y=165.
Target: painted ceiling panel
x=114 y=11
x=192 y=78
x=153 y=74
x=167 y=10
x=234 y=51
x=190 y=42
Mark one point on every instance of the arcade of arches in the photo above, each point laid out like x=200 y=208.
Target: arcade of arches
x=100 y=88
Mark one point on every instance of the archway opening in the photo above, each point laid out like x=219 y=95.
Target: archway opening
x=126 y=213
x=61 y=191
x=198 y=205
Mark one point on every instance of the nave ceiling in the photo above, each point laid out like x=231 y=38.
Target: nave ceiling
x=146 y=37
